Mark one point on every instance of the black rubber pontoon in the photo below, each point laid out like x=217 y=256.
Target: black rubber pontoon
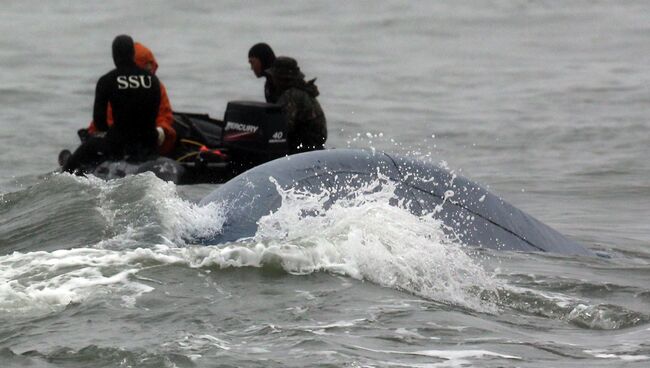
x=164 y=168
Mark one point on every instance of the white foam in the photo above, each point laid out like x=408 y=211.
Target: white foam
x=365 y=237
x=49 y=281
x=183 y=219
x=136 y=207
x=360 y=236
x=452 y=358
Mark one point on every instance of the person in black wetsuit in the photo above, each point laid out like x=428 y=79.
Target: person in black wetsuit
x=261 y=57
x=134 y=95
x=306 y=122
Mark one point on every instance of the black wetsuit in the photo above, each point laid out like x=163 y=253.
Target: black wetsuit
x=134 y=96
x=270 y=93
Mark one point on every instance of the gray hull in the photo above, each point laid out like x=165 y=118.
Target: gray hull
x=472 y=214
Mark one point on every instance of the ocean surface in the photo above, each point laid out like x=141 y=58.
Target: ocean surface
x=545 y=102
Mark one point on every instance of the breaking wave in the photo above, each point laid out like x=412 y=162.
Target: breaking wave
x=146 y=223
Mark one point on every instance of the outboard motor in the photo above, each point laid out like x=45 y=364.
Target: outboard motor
x=254 y=132
x=214 y=151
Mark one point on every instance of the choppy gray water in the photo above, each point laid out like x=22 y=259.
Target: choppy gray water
x=545 y=102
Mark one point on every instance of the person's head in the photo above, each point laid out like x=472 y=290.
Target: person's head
x=123 y=51
x=284 y=72
x=260 y=57
x=144 y=58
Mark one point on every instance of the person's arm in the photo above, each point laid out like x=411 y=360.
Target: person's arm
x=92 y=129
x=165 y=121
x=290 y=110
x=101 y=104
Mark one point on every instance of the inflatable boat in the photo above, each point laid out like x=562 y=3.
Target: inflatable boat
x=209 y=150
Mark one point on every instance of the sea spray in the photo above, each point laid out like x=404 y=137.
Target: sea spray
x=365 y=235
x=140 y=208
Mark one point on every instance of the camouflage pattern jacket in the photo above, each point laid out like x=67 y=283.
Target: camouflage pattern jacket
x=307 y=127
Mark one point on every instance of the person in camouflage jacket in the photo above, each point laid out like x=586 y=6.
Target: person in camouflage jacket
x=306 y=123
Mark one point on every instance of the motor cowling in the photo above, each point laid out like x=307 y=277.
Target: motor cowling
x=255 y=131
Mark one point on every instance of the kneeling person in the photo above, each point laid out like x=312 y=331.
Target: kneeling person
x=134 y=96
x=145 y=59
x=306 y=123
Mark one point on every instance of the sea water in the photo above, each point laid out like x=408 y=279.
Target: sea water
x=543 y=102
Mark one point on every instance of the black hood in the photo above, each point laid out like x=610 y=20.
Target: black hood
x=286 y=74
x=264 y=53
x=309 y=87
x=123 y=51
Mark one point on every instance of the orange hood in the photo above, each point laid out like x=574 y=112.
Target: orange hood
x=144 y=56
